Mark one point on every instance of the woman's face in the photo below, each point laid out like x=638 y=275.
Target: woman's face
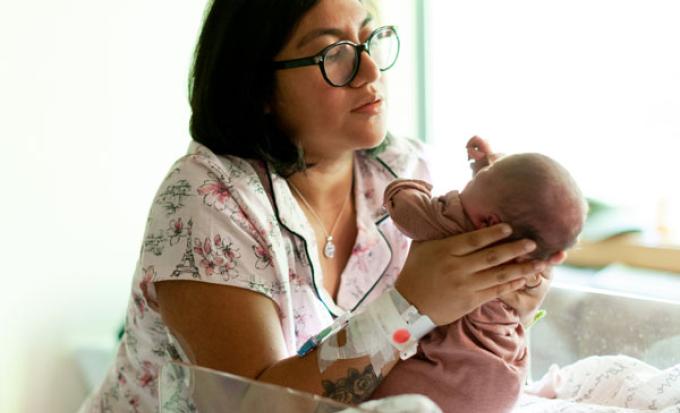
x=329 y=122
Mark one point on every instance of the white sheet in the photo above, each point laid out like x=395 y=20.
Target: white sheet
x=604 y=384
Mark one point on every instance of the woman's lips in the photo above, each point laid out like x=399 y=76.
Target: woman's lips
x=372 y=108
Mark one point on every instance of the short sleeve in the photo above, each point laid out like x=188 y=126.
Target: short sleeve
x=211 y=221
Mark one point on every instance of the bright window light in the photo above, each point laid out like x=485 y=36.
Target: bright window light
x=594 y=84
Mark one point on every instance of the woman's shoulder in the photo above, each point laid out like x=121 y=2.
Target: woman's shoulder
x=201 y=159
x=205 y=179
x=236 y=174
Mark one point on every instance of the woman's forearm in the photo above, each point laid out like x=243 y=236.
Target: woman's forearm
x=349 y=381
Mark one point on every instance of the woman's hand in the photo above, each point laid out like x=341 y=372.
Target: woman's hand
x=527 y=300
x=446 y=279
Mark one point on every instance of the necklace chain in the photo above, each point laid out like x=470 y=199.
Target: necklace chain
x=329 y=246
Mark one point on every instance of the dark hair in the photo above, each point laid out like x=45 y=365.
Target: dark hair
x=232 y=80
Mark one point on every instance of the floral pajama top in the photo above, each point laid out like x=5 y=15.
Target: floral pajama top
x=225 y=220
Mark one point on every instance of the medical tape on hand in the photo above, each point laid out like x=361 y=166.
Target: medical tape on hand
x=388 y=323
x=361 y=340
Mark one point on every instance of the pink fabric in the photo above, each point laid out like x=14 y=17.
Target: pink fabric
x=476 y=364
x=421 y=217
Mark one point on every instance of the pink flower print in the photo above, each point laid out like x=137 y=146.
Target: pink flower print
x=264 y=257
x=265 y=232
x=121 y=378
x=148 y=375
x=134 y=403
x=217 y=257
x=228 y=250
x=207 y=246
x=175 y=231
x=295 y=279
x=361 y=254
x=139 y=303
x=198 y=248
x=208 y=266
x=215 y=193
x=145 y=286
x=360 y=249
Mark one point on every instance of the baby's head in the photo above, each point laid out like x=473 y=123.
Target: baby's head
x=534 y=194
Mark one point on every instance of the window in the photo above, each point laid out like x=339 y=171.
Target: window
x=594 y=84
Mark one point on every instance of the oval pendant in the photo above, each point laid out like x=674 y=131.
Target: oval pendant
x=329 y=248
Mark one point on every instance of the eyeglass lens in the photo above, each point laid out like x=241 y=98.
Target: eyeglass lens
x=339 y=63
x=341 y=60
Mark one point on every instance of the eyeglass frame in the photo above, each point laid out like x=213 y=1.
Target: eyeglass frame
x=318 y=59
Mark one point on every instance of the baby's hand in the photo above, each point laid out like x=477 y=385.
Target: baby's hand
x=478 y=149
x=480 y=154
x=527 y=300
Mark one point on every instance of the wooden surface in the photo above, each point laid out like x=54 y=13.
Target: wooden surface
x=626 y=249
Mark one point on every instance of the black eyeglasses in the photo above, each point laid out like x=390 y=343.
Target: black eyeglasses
x=339 y=62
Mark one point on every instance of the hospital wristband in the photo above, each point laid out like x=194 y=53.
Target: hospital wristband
x=400 y=322
x=388 y=323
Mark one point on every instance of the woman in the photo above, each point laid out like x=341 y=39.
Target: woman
x=272 y=224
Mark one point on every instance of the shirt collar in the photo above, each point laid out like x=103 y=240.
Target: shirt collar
x=371 y=176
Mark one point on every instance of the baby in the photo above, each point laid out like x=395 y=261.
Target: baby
x=478 y=363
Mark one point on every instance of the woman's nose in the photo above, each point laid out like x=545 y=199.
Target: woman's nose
x=368 y=71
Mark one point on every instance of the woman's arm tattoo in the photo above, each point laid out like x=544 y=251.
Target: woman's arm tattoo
x=353 y=389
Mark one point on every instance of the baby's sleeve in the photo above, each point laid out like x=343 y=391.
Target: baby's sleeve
x=408 y=203
x=420 y=217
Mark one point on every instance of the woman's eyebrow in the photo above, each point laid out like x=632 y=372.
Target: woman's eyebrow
x=328 y=31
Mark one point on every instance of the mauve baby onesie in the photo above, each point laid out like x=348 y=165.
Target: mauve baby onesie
x=476 y=364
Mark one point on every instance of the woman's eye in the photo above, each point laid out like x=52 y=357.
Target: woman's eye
x=333 y=55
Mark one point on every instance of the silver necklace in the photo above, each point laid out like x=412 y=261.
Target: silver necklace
x=329 y=246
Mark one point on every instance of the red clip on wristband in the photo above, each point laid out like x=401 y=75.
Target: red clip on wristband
x=401 y=336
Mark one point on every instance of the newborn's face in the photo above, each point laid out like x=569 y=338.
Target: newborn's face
x=478 y=201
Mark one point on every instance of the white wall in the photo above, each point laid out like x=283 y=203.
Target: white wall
x=92 y=113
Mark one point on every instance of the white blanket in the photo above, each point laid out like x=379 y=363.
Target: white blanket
x=604 y=384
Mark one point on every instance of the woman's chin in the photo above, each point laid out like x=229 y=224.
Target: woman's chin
x=367 y=139
x=378 y=141
x=370 y=142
